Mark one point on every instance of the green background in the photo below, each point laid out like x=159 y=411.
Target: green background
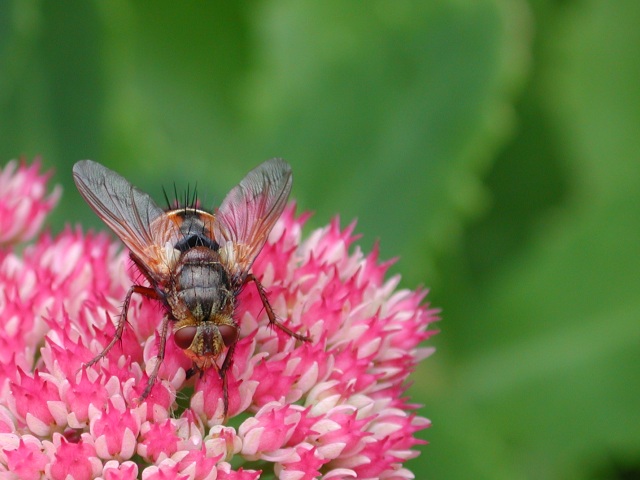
x=491 y=145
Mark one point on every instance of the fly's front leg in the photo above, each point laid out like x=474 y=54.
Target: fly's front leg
x=272 y=316
x=228 y=361
x=159 y=359
x=122 y=321
x=222 y=371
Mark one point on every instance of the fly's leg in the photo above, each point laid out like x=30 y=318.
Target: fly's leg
x=122 y=321
x=222 y=371
x=159 y=359
x=272 y=316
x=228 y=361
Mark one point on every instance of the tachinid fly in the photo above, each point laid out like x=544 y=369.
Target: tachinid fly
x=196 y=262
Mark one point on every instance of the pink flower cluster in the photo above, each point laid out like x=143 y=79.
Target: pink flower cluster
x=333 y=408
x=23 y=205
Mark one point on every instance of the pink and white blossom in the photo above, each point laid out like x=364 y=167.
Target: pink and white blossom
x=23 y=201
x=335 y=407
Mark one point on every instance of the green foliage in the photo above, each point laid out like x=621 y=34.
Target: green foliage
x=491 y=144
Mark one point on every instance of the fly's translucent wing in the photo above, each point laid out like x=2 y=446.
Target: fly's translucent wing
x=131 y=214
x=249 y=212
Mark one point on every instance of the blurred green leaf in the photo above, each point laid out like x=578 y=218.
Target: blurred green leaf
x=391 y=111
x=544 y=350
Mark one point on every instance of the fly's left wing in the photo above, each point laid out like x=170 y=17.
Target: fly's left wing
x=249 y=212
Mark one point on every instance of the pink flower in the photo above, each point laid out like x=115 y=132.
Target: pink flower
x=335 y=407
x=71 y=459
x=23 y=206
x=25 y=459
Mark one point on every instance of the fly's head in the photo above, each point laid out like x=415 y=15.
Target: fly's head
x=203 y=342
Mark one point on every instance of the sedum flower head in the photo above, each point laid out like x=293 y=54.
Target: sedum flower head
x=332 y=408
x=23 y=204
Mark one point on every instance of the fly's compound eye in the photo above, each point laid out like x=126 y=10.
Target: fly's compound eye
x=229 y=334
x=184 y=336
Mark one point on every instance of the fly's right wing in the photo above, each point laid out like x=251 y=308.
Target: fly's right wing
x=132 y=215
